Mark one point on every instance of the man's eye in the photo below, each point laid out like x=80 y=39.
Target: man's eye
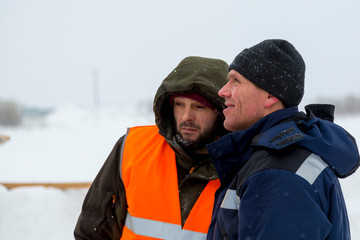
x=200 y=106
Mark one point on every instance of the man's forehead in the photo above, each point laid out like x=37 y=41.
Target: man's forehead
x=195 y=97
x=182 y=98
x=233 y=73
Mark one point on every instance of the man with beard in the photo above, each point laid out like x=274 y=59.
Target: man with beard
x=158 y=182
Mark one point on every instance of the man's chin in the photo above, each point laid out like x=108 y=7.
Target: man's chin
x=189 y=139
x=187 y=142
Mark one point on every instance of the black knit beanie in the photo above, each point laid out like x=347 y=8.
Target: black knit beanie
x=275 y=66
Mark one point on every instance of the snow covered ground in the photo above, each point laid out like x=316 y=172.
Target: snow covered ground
x=70 y=145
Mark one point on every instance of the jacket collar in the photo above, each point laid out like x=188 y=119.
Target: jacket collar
x=322 y=137
x=233 y=149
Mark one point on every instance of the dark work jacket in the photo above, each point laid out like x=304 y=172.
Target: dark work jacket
x=279 y=179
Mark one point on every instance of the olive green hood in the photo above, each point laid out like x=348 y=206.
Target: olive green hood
x=204 y=76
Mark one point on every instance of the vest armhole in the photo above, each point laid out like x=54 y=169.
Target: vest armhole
x=122 y=152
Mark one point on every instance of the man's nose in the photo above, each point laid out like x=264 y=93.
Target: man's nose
x=188 y=114
x=224 y=91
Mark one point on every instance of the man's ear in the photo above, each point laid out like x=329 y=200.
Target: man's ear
x=270 y=101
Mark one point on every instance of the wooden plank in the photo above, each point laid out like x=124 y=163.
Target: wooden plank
x=53 y=185
x=4 y=139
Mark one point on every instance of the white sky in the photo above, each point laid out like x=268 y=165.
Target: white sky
x=49 y=50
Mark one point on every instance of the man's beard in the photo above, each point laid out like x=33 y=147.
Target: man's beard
x=200 y=143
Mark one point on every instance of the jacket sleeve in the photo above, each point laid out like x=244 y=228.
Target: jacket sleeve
x=104 y=208
x=278 y=204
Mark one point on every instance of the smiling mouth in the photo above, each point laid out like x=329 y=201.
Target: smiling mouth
x=229 y=105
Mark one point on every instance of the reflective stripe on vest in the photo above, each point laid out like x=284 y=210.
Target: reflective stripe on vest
x=160 y=230
x=148 y=171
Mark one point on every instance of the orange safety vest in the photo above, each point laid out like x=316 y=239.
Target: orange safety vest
x=148 y=170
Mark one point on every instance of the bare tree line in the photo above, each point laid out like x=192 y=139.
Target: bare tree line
x=343 y=106
x=11 y=112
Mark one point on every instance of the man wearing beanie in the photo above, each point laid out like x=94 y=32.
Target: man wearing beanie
x=279 y=167
x=158 y=182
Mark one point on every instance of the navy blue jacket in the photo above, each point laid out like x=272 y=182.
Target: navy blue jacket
x=279 y=179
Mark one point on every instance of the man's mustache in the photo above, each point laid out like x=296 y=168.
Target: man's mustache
x=189 y=124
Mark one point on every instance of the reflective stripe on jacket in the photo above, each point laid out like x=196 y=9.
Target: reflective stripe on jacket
x=148 y=170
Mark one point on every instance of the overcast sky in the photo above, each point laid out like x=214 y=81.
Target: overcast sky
x=52 y=50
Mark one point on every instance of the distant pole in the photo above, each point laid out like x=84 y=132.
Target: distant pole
x=96 y=83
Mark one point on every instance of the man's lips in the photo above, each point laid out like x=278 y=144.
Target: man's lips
x=188 y=129
x=228 y=107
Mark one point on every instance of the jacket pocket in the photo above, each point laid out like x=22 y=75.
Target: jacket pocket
x=107 y=227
